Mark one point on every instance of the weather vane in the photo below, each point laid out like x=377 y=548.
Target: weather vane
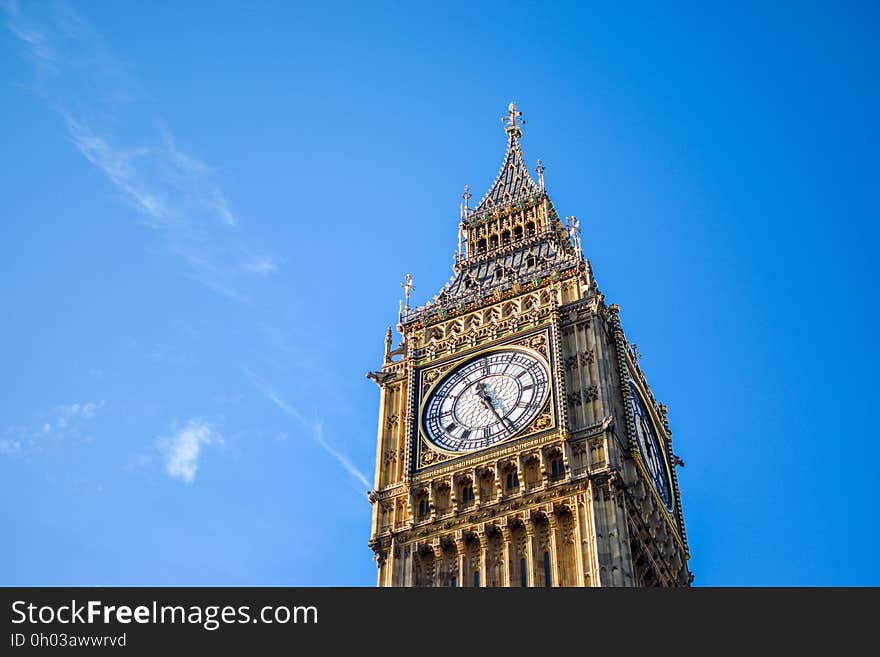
x=511 y=126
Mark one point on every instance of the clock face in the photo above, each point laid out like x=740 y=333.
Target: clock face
x=649 y=446
x=485 y=400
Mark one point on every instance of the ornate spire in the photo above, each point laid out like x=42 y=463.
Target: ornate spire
x=514 y=182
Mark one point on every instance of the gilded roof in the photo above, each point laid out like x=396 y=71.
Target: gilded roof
x=513 y=183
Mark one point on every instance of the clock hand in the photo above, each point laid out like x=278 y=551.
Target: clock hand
x=488 y=402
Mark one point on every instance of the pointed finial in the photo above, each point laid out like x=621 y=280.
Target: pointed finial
x=540 y=170
x=467 y=198
x=574 y=233
x=510 y=122
x=388 y=345
x=408 y=287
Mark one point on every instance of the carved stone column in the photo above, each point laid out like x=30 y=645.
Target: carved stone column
x=530 y=552
x=437 y=550
x=461 y=554
x=380 y=438
x=553 y=526
x=432 y=499
x=505 y=552
x=579 y=565
x=484 y=555
x=409 y=575
x=476 y=475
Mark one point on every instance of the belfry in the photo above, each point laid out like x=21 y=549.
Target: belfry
x=519 y=443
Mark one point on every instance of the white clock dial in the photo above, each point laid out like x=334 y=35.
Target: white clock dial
x=486 y=400
x=650 y=446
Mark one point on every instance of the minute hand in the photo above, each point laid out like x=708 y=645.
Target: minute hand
x=487 y=400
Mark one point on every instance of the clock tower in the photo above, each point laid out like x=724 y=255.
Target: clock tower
x=519 y=443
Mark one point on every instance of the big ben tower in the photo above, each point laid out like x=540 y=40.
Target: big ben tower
x=519 y=443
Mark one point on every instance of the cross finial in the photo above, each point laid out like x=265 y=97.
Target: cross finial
x=510 y=122
x=540 y=170
x=408 y=287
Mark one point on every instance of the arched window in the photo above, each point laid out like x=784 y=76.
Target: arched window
x=512 y=480
x=505 y=237
x=547 y=580
x=557 y=466
x=532 y=472
x=523 y=581
x=466 y=494
x=481 y=245
x=493 y=241
x=530 y=228
x=487 y=487
x=442 y=499
x=424 y=506
x=517 y=233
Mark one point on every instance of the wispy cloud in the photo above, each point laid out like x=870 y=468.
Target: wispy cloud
x=38 y=47
x=172 y=190
x=122 y=167
x=262 y=266
x=58 y=424
x=314 y=428
x=182 y=450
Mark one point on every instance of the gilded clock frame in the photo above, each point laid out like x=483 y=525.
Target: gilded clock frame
x=536 y=344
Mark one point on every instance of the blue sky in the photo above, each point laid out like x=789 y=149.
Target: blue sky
x=208 y=210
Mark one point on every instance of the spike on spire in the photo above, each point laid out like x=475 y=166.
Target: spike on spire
x=540 y=170
x=511 y=127
x=514 y=182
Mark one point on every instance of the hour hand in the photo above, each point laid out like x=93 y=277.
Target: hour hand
x=488 y=401
x=484 y=396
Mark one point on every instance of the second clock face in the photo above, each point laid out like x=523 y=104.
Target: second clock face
x=486 y=400
x=649 y=446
